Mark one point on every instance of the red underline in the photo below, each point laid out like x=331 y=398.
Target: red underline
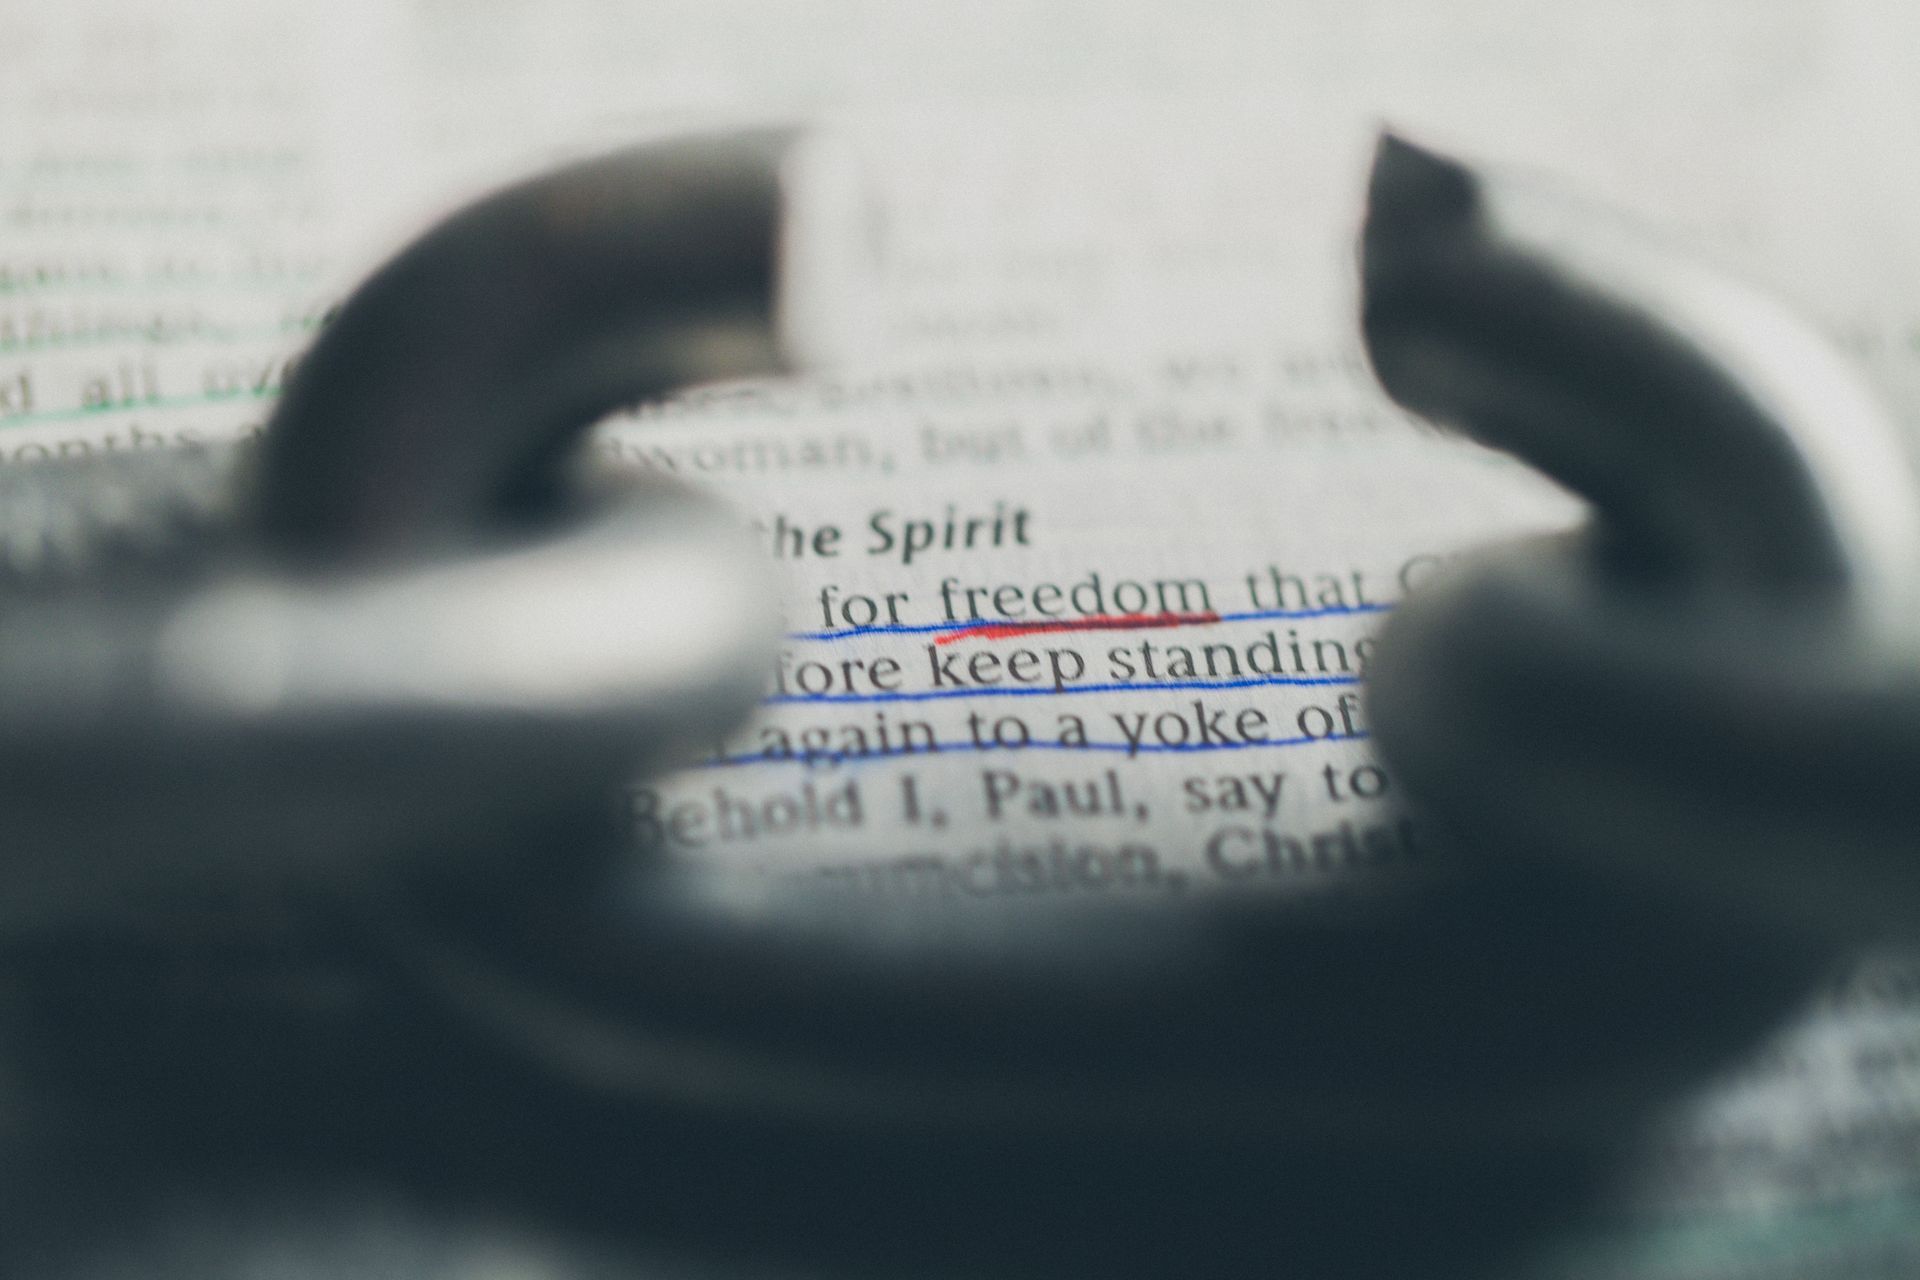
x=1099 y=622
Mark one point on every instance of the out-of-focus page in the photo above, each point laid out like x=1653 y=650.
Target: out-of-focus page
x=1085 y=536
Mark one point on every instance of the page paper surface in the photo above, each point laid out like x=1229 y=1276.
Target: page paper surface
x=1085 y=538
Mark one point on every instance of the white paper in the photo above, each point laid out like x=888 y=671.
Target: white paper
x=1108 y=372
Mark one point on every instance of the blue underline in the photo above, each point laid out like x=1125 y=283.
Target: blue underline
x=923 y=628
x=936 y=695
x=1123 y=748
